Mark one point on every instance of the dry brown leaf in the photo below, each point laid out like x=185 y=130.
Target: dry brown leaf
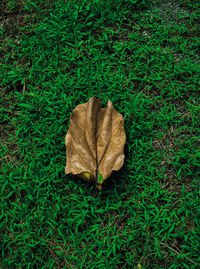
x=95 y=141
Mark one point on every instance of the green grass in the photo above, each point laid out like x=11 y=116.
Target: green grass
x=55 y=55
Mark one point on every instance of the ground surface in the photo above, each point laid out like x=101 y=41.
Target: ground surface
x=145 y=59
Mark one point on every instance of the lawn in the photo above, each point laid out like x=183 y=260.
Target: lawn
x=144 y=57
